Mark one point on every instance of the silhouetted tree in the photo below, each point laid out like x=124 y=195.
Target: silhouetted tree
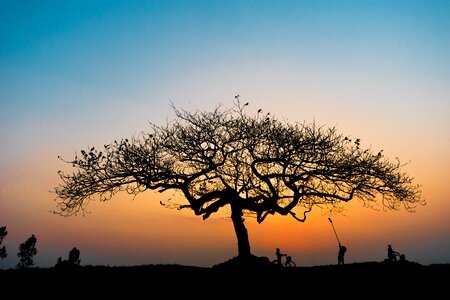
x=248 y=165
x=3 y=234
x=26 y=252
x=74 y=256
x=74 y=259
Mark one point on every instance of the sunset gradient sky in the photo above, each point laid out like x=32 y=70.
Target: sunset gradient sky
x=77 y=74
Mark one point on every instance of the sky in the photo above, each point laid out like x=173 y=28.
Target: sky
x=77 y=74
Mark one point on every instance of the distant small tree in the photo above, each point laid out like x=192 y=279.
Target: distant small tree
x=26 y=252
x=74 y=256
x=3 y=234
x=74 y=259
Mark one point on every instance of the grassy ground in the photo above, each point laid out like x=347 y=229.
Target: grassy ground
x=357 y=280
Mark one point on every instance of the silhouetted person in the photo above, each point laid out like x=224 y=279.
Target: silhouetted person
x=59 y=261
x=342 y=250
x=279 y=256
x=392 y=255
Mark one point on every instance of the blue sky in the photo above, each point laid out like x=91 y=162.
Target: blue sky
x=72 y=59
x=79 y=73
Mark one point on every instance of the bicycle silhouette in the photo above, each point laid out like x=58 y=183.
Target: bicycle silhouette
x=287 y=262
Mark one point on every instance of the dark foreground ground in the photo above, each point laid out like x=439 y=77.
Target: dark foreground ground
x=367 y=280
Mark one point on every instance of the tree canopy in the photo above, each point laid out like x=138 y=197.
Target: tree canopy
x=253 y=164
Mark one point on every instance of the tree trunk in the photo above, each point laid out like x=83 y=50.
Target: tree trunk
x=241 y=231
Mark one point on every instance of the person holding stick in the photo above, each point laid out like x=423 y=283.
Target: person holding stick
x=342 y=249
